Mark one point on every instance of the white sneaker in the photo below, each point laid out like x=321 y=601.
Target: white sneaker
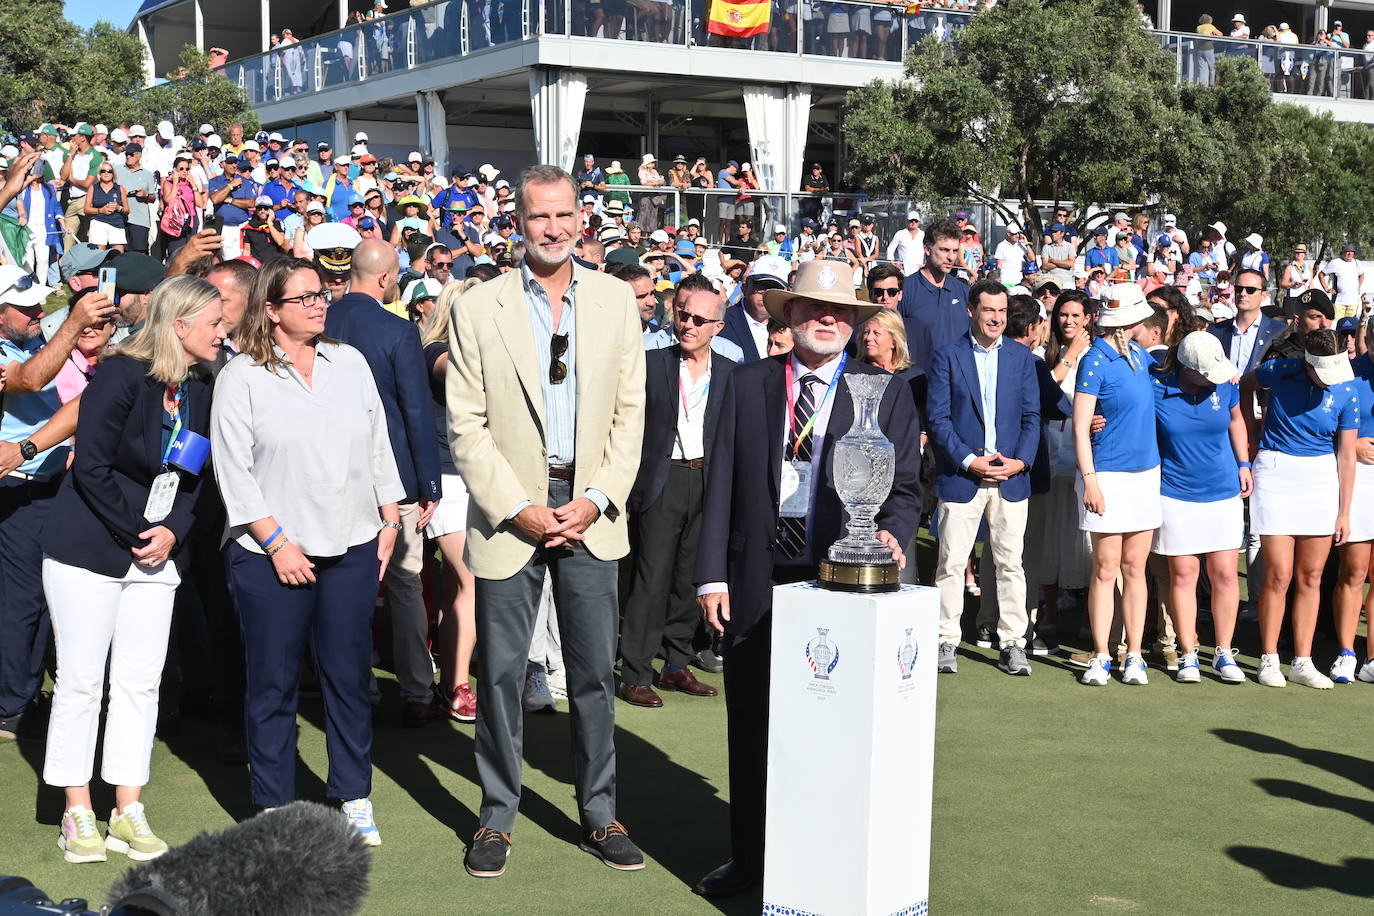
x=1343 y=668
x=1303 y=672
x=359 y=813
x=1134 y=672
x=1188 y=671
x=1224 y=664
x=558 y=684
x=1097 y=674
x=1367 y=671
x=1269 y=673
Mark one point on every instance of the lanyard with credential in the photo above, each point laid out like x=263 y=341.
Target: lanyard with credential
x=177 y=397
x=799 y=435
x=682 y=395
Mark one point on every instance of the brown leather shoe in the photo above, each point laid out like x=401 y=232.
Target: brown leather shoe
x=639 y=695
x=684 y=681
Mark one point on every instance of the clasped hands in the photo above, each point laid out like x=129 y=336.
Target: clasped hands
x=557 y=527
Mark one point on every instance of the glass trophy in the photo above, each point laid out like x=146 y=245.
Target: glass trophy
x=863 y=465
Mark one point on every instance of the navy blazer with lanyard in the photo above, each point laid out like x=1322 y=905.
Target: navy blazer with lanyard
x=98 y=514
x=391 y=346
x=740 y=515
x=1269 y=328
x=661 y=415
x=955 y=406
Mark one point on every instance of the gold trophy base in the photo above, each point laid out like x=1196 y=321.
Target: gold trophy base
x=859 y=577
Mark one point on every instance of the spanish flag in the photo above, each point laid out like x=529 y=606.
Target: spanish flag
x=738 y=18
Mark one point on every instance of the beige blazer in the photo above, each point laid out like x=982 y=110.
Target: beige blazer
x=496 y=413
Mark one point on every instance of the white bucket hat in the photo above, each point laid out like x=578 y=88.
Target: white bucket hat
x=1123 y=305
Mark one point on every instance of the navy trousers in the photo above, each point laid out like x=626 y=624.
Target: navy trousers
x=24 y=624
x=333 y=617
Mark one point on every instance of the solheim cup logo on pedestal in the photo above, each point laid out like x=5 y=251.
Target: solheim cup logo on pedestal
x=822 y=655
x=906 y=656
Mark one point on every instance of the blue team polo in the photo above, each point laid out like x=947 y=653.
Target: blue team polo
x=1126 y=398
x=1303 y=418
x=1363 y=383
x=1196 y=461
x=25 y=413
x=943 y=309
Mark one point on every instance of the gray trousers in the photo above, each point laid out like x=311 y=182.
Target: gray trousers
x=585 y=595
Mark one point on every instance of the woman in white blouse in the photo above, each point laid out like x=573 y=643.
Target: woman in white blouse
x=310 y=487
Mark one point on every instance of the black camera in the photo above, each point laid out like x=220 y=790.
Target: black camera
x=18 y=897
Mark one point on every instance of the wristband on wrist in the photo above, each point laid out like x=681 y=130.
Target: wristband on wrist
x=273 y=551
x=1243 y=464
x=271 y=537
x=1089 y=474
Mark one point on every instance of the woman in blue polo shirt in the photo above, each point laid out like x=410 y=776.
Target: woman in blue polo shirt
x=1118 y=475
x=1358 y=548
x=1203 y=476
x=1303 y=488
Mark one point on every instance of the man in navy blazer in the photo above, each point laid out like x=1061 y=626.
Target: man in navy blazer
x=742 y=554
x=984 y=413
x=746 y=324
x=1246 y=337
x=683 y=386
x=391 y=346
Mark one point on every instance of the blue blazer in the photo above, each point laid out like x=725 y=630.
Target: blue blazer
x=955 y=404
x=97 y=515
x=737 y=330
x=391 y=346
x=1269 y=328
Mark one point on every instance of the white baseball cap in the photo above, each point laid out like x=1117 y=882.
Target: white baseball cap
x=415 y=156
x=252 y=145
x=166 y=130
x=1201 y=351
x=1170 y=219
x=100 y=129
x=138 y=130
x=21 y=288
x=276 y=135
x=118 y=136
x=658 y=235
x=215 y=141
x=359 y=149
x=360 y=137
x=912 y=214
x=779 y=227
x=206 y=129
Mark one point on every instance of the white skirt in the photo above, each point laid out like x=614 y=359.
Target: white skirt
x=1362 y=505
x=452 y=512
x=1294 y=495
x=1132 y=499
x=1190 y=529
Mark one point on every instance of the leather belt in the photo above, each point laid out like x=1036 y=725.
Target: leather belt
x=695 y=464
x=560 y=473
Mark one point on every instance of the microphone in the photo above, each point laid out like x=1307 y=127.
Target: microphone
x=304 y=859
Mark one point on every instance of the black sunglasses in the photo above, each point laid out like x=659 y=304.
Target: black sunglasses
x=1249 y=290
x=698 y=320
x=883 y=292
x=558 y=370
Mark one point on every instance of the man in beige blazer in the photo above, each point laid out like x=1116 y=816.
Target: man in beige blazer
x=546 y=407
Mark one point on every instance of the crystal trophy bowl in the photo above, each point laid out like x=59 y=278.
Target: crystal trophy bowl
x=863 y=464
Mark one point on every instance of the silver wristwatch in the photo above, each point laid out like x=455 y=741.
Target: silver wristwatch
x=394 y=525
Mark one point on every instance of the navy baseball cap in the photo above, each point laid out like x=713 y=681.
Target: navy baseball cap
x=1059 y=227
x=1100 y=230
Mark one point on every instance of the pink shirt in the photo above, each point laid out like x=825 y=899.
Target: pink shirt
x=74 y=376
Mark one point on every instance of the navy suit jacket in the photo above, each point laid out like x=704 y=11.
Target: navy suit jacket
x=391 y=346
x=98 y=513
x=1269 y=328
x=737 y=329
x=740 y=513
x=661 y=403
x=1054 y=405
x=955 y=405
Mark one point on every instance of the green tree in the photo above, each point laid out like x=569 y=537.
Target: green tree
x=194 y=95
x=1066 y=100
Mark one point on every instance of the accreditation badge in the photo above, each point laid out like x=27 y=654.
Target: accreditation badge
x=795 y=489
x=161 y=496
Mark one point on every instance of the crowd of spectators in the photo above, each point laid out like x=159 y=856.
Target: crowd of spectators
x=302 y=320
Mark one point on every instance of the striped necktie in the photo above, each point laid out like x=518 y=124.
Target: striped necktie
x=791 y=535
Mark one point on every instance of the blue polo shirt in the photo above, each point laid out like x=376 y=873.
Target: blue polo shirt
x=944 y=310
x=1303 y=418
x=1363 y=383
x=231 y=214
x=26 y=413
x=1126 y=398
x=281 y=196
x=1100 y=257
x=1196 y=461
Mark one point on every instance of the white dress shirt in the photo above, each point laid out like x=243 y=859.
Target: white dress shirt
x=690 y=442
x=908 y=249
x=759 y=330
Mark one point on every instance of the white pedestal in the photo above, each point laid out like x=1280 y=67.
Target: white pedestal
x=851 y=752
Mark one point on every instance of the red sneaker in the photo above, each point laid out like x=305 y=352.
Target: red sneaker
x=463 y=706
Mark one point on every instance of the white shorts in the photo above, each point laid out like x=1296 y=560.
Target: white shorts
x=1294 y=495
x=1362 y=505
x=452 y=514
x=1132 y=499
x=105 y=235
x=1191 y=529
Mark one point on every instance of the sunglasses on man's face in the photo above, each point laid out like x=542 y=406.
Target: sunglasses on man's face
x=885 y=292
x=1249 y=290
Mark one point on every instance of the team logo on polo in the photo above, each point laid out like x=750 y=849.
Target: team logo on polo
x=906 y=656
x=822 y=655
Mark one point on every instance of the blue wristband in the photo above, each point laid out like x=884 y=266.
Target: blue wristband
x=271 y=537
x=1242 y=464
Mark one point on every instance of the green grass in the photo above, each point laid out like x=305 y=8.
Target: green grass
x=1049 y=798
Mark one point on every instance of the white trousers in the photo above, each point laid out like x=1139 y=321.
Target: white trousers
x=94 y=617
x=958 y=526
